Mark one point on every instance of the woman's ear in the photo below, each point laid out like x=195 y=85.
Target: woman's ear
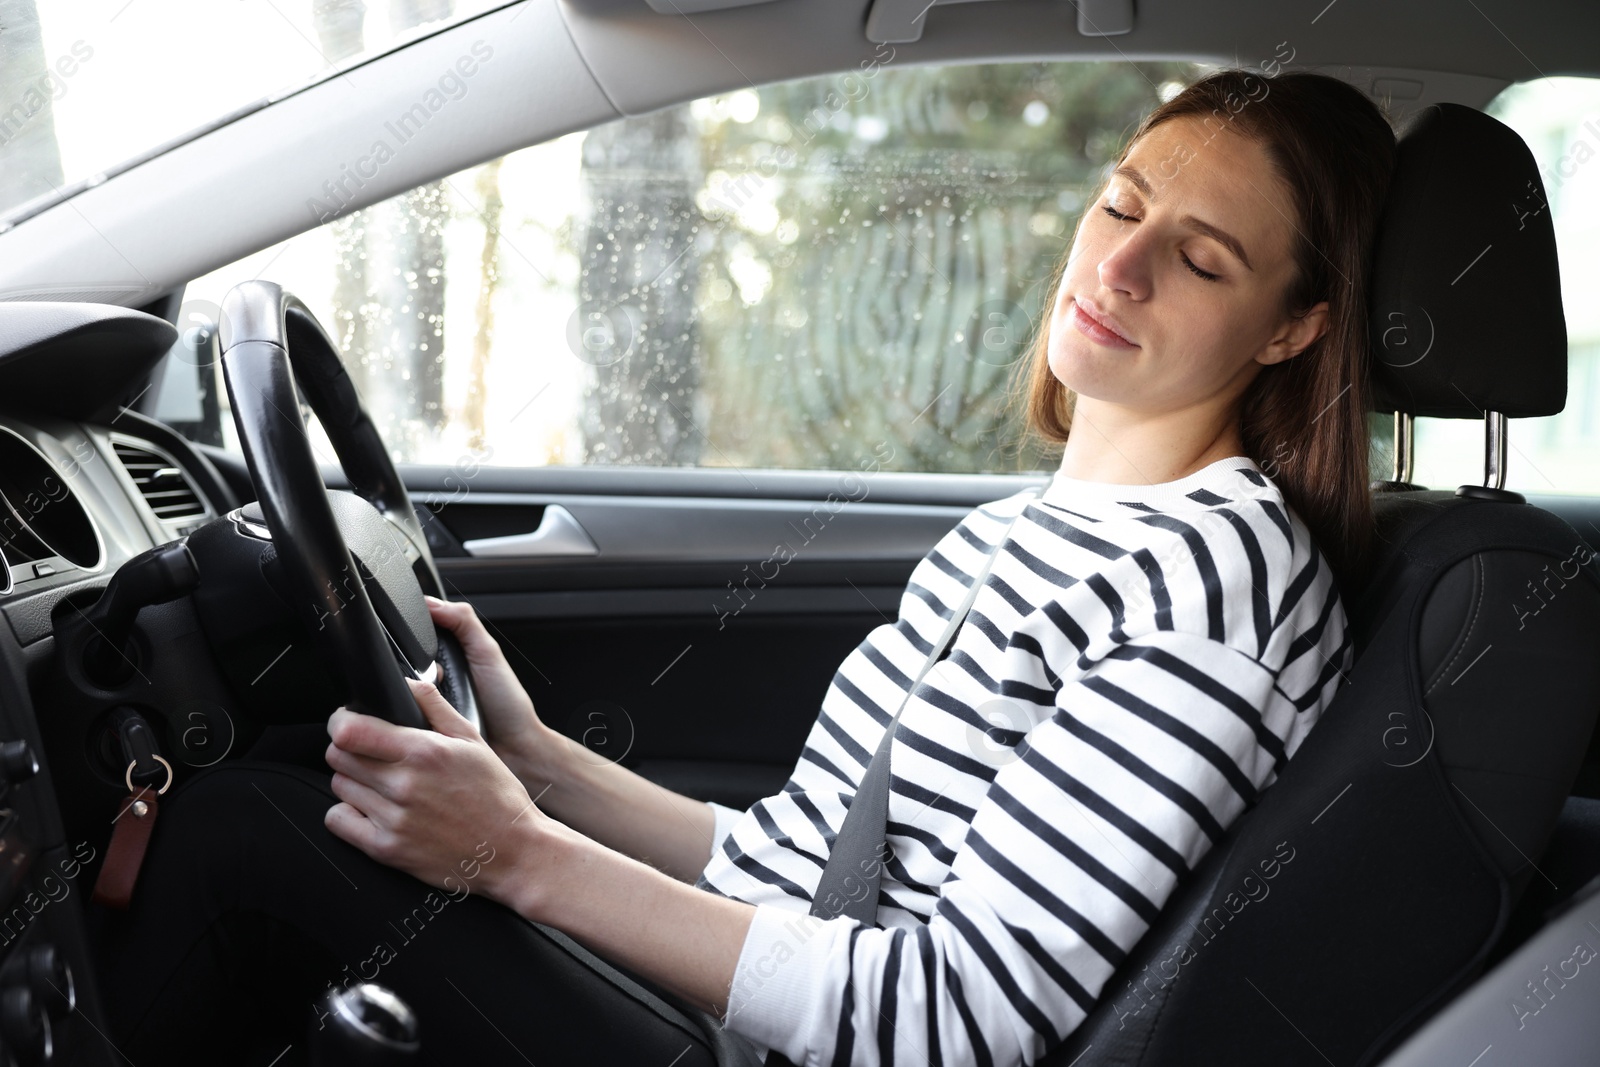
x=1297 y=335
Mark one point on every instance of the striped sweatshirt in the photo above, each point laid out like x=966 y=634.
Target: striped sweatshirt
x=1137 y=667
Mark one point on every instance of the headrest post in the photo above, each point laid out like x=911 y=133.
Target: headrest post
x=1404 y=446
x=1494 y=464
x=1494 y=452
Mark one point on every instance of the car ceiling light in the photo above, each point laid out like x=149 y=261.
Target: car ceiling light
x=897 y=21
x=901 y=21
x=694 y=7
x=1105 y=18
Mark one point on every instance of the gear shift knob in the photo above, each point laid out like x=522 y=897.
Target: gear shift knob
x=363 y=1025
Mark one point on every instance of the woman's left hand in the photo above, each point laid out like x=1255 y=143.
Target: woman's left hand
x=439 y=804
x=434 y=804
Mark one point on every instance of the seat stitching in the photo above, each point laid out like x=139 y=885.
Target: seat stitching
x=1481 y=583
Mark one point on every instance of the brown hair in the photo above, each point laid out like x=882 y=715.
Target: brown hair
x=1304 y=420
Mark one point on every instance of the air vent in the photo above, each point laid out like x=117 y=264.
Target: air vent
x=160 y=481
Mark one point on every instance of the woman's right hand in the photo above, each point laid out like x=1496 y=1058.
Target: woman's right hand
x=511 y=725
x=596 y=797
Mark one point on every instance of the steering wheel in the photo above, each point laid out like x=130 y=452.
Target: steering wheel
x=365 y=610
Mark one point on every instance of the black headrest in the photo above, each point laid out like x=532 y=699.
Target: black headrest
x=1466 y=291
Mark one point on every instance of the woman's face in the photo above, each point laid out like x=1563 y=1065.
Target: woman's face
x=1191 y=281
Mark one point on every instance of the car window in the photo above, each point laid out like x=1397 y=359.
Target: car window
x=809 y=275
x=1559 y=118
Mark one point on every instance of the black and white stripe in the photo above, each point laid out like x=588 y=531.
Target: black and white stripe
x=1138 y=666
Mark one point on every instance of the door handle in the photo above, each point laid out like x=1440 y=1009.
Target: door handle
x=559 y=534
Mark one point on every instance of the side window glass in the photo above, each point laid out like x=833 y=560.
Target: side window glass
x=1559 y=118
x=810 y=275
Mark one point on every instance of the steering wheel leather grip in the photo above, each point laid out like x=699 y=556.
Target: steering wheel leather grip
x=455 y=678
x=264 y=311
x=333 y=602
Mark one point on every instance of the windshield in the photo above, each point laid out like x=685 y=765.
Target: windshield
x=86 y=85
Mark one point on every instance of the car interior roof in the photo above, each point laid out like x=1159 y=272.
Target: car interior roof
x=645 y=60
x=566 y=65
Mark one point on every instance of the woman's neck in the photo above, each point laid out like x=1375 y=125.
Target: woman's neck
x=1111 y=444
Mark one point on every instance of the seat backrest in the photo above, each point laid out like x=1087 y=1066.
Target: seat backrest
x=1370 y=883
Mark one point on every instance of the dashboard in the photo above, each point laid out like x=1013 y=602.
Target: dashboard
x=78 y=500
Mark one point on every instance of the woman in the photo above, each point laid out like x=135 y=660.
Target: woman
x=1158 y=633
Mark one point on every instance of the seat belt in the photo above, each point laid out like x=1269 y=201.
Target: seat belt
x=855 y=865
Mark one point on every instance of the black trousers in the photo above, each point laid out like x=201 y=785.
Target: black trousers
x=247 y=909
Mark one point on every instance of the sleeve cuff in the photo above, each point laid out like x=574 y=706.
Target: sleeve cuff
x=782 y=975
x=725 y=817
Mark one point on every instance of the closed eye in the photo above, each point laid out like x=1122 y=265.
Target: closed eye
x=1207 y=275
x=1120 y=217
